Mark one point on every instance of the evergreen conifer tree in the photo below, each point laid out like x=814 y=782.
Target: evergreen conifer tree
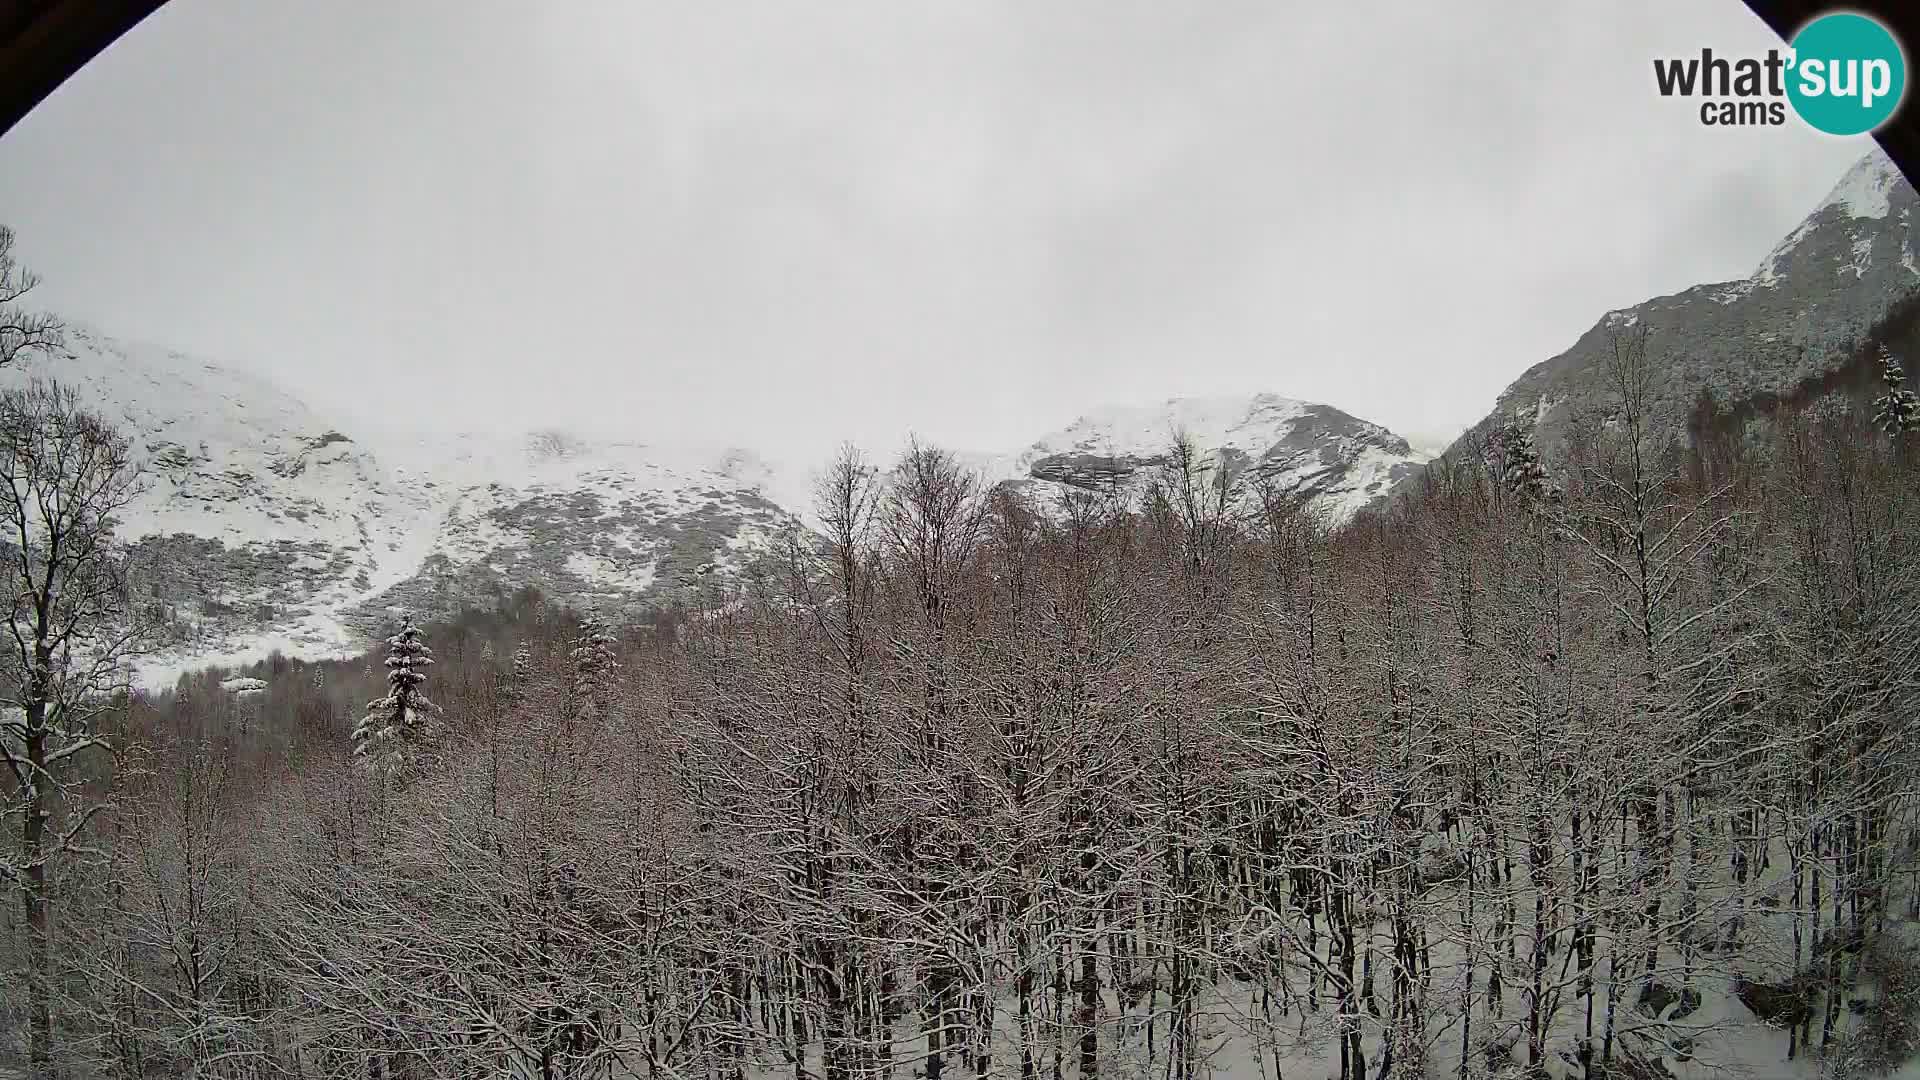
x=400 y=728
x=1516 y=459
x=1897 y=411
x=513 y=682
x=593 y=667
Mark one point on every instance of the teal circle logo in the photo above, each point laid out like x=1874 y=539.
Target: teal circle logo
x=1848 y=74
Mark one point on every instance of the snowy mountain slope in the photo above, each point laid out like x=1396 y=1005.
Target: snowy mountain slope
x=254 y=513
x=262 y=525
x=603 y=525
x=227 y=456
x=1337 y=461
x=1820 y=289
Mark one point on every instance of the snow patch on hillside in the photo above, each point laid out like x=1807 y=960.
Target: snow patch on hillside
x=1862 y=252
x=636 y=575
x=1733 y=290
x=162 y=672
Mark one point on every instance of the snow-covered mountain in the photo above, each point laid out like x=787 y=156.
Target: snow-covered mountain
x=260 y=523
x=1336 y=461
x=264 y=525
x=610 y=526
x=1787 y=325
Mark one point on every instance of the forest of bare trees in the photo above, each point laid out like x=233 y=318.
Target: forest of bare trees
x=1586 y=760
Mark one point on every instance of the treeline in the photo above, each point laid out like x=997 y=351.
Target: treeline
x=1570 y=764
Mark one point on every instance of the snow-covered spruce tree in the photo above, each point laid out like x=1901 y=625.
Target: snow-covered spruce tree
x=400 y=728
x=1512 y=456
x=510 y=686
x=1525 y=473
x=594 y=666
x=1897 y=411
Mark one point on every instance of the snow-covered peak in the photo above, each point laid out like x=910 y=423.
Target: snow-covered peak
x=555 y=455
x=1233 y=422
x=149 y=387
x=224 y=454
x=1864 y=191
x=1863 y=199
x=1337 y=461
x=1773 y=336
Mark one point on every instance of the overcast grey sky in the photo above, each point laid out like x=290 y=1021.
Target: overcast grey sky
x=782 y=225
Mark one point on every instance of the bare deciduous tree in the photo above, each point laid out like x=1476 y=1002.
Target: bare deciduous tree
x=21 y=330
x=68 y=475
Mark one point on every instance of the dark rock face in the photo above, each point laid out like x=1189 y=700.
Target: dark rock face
x=1795 y=319
x=1322 y=427
x=1091 y=471
x=198 y=591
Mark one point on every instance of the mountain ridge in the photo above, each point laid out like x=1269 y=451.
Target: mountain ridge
x=1334 y=461
x=1795 y=319
x=266 y=524
x=272 y=525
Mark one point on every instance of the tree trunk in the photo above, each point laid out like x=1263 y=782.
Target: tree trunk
x=39 y=928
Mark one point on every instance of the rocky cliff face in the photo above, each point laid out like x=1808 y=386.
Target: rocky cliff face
x=1794 y=319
